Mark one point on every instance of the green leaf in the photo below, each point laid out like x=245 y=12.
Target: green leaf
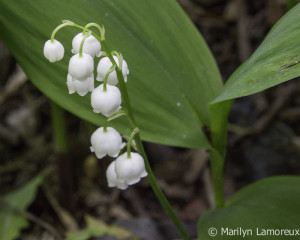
x=271 y=203
x=272 y=63
x=97 y=228
x=173 y=75
x=10 y=222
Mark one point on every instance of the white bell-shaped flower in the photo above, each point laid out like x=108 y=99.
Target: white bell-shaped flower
x=107 y=142
x=106 y=102
x=53 y=51
x=105 y=64
x=81 y=87
x=81 y=68
x=112 y=178
x=91 y=45
x=130 y=170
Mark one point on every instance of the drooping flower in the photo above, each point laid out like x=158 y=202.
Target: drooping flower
x=81 y=87
x=112 y=178
x=81 y=67
x=106 y=102
x=53 y=51
x=103 y=67
x=107 y=142
x=91 y=45
x=130 y=170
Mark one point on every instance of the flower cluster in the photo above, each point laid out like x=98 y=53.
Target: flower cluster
x=106 y=99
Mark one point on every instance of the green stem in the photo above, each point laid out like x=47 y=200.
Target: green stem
x=64 y=24
x=111 y=117
x=111 y=69
x=116 y=115
x=217 y=166
x=122 y=84
x=134 y=132
x=59 y=128
x=218 y=130
x=82 y=42
x=66 y=167
x=158 y=192
x=120 y=58
x=101 y=29
x=105 y=127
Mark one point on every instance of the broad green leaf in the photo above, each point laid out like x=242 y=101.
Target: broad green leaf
x=271 y=203
x=10 y=222
x=173 y=75
x=272 y=63
x=96 y=228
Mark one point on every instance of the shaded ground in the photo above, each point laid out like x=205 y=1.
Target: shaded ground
x=270 y=146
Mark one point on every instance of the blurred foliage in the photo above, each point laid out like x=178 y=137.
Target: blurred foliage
x=11 y=223
x=97 y=228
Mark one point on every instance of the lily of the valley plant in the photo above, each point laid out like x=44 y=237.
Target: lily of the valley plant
x=106 y=99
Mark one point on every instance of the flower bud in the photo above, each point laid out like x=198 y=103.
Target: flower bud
x=106 y=102
x=130 y=170
x=103 y=67
x=91 y=45
x=107 y=142
x=81 y=87
x=53 y=51
x=81 y=68
x=112 y=179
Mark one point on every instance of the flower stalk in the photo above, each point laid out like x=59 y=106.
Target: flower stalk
x=217 y=166
x=152 y=180
x=135 y=131
x=115 y=170
x=82 y=42
x=112 y=68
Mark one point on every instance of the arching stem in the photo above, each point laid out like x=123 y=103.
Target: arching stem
x=111 y=69
x=134 y=132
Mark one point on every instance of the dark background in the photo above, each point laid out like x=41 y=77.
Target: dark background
x=263 y=140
